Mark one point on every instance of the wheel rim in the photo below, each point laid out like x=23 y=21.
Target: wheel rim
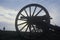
x=31 y=10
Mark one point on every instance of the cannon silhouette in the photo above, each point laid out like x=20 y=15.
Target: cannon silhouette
x=33 y=21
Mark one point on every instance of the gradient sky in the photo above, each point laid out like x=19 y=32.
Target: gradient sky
x=10 y=8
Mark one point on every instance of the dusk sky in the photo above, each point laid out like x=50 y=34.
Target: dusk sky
x=10 y=8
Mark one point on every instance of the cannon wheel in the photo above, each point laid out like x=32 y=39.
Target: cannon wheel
x=23 y=27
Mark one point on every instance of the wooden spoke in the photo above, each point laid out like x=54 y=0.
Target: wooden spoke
x=26 y=29
x=22 y=15
x=23 y=27
x=30 y=10
x=26 y=12
x=22 y=19
x=29 y=28
x=34 y=28
x=34 y=10
x=38 y=12
x=22 y=23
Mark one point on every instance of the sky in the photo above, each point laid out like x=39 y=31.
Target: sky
x=10 y=8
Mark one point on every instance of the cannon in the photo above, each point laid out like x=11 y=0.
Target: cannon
x=33 y=21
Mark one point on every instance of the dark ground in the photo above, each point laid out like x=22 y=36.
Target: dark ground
x=12 y=35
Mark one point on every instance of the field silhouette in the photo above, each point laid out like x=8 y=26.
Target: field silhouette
x=13 y=35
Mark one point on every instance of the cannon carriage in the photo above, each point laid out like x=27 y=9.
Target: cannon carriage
x=33 y=21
